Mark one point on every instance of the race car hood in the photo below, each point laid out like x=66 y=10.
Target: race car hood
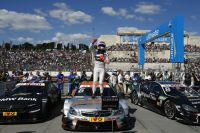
x=87 y=104
x=189 y=99
x=194 y=99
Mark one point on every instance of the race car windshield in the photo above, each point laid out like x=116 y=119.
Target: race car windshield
x=27 y=90
x=87 y=91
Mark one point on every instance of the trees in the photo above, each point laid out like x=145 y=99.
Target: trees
x=44 y=46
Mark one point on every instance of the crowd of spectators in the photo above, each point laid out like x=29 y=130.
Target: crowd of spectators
x=156 y=47
x=150 y=47
x=135 y=60
x=157 y=60
x=124 y=60
x=74 y=60
x=121 y=47
x=192 y=48
x=45 y=60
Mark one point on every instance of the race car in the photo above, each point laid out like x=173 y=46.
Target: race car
x=28 y=102
x=171 y=99
x=82 y=112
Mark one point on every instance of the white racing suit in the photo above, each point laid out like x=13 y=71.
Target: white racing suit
x=99 y=58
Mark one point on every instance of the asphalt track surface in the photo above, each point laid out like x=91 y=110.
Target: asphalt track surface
x=142 y=121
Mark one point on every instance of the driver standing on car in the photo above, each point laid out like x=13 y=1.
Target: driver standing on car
x=100 y=58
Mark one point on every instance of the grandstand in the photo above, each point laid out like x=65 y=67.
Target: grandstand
x=157 y=53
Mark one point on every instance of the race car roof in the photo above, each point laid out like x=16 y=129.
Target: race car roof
x=170 y=84
x=90 y=84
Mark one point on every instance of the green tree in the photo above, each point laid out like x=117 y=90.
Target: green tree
x=7 y=46
x=27 y=46
x=59 y=46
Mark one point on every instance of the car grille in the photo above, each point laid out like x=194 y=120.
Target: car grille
x=21 y=117
x=96 y=113
x=85 y=125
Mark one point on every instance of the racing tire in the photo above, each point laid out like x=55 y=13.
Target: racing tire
x=169 y=110
x=134 y=98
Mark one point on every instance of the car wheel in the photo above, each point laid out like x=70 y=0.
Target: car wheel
x=169 y=110
x=134 y=97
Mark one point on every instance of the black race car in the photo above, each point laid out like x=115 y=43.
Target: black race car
x=28 y=102
x=170 y=99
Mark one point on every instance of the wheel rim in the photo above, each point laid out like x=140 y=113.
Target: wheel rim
x=169 y=110
x=135 y=98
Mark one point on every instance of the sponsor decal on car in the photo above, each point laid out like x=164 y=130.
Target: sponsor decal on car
x=9 y=113
x=96 y=119
x=30 y=84
x=87 y=102
x=18 y=99
x=160 y=100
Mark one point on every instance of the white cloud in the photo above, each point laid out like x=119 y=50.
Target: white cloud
x=194 y=17
x=61 y=37
x=40 y=12
x=60 y=5
x=130 y=30
x=43 y=41
x=145 y=8
x=69 y=16
x=109 y=11
x=126 y=29
x=193 y=33
x=25 y=39
x=22 y=21
x=120 y=13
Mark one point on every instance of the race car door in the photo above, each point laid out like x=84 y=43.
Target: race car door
x=156 y=91
x=145 y=92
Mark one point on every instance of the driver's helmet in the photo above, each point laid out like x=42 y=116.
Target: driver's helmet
x=101 y=45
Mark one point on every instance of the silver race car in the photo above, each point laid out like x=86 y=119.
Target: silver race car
x=84 y=112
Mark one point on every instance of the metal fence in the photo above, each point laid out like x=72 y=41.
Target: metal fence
x=6 y=87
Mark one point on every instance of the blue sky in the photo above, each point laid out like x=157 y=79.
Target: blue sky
x=79 y=20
